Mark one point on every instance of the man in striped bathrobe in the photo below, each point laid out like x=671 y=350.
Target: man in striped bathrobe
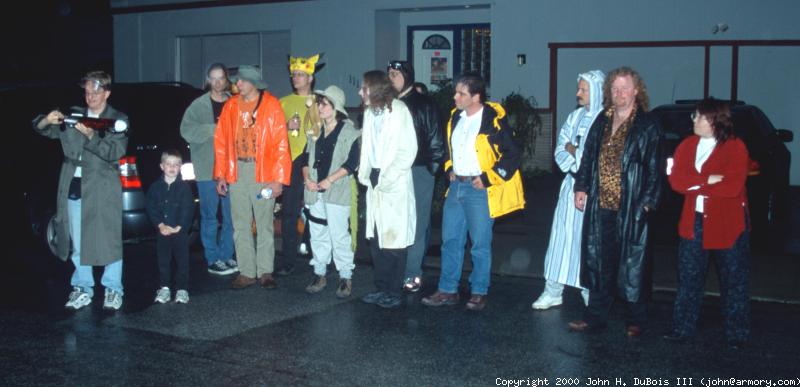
x=563 y=260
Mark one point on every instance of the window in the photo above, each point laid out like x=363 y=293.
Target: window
x=436 y=42
x=476 y=49
x=450 y=50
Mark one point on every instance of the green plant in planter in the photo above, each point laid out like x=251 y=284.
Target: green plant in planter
x=443 y=97
x=525 y=121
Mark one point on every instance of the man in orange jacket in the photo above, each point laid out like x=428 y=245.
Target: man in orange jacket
x=253 y=164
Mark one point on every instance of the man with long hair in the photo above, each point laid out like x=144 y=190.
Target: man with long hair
x=389 y=147
x=618 y=186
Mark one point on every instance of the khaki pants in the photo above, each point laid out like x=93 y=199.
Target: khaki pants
x=255 y=254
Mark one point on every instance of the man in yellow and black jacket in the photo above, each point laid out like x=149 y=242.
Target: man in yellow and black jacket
x=483 y=167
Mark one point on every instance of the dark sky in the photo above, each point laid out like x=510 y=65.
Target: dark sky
x=55 y=40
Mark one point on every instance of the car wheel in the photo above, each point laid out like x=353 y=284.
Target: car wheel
x=51 y=234
x=194 y=231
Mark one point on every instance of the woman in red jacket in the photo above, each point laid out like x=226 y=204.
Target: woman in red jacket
x=710 y=169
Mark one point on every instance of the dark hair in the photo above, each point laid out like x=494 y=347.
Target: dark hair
x=171 y=153
x=474 y=83
x=421 y=88
x=99 y=77
x=404 y=68
x=381 y=92
x=718 y=114
x=319 y=98
x=641 y=96
x=217 y=66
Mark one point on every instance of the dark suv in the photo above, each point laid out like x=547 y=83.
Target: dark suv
x=154 y=110
x=768 y=178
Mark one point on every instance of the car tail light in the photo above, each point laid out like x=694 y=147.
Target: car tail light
x=753 y=168
x=128 y=175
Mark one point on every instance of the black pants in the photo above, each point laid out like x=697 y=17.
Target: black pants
x=292 y=200
x=166 y=247
x=601 y=299
x=733 y=266
x=389 y=265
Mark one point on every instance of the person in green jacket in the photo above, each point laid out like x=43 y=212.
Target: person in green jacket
x=197 y=128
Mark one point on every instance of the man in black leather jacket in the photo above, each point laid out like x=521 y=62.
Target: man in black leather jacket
x=618 y=186
x=430 y=156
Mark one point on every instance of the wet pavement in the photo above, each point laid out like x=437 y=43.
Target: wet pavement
x=286 y=337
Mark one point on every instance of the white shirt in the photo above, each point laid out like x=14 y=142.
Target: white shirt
x=704 y=149
x=465 y=159
x=375 y=131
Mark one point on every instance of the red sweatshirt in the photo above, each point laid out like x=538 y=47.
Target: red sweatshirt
x=725 y=203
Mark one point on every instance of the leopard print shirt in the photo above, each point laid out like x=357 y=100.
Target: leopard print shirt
x=610 y=163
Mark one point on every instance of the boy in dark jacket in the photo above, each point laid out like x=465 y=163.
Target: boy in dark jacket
x=169 y=206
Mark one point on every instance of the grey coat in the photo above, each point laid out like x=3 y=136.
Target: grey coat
x=341 y=190
x=197 y=128
x=101 y=192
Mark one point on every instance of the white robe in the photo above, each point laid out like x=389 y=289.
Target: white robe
x=563 y=259
x=390 y=205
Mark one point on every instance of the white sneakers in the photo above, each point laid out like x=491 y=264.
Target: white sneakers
x=78 y=299
x=182 y=297
x=413 y=284
x=163 y=296
x=113 y=300
x=546 y=301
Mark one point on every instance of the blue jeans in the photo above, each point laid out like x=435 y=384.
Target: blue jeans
x=217 y=247
x=466 y=209
x=83 y=277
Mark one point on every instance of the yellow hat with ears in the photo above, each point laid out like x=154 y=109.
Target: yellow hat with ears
x=306 y=65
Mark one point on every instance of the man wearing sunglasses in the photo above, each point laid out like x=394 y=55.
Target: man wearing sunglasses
x=430 y=156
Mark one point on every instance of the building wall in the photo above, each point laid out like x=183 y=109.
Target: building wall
x=359 y=35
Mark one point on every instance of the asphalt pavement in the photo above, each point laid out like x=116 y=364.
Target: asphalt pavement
x=287 y=337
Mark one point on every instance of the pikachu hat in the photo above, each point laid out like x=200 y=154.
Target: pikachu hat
x=306 y=65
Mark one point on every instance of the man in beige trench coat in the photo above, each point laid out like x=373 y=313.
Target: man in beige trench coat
x=89 y=202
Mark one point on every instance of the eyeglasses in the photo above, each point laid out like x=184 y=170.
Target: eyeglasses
x=695 y=116
x=298 y=74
